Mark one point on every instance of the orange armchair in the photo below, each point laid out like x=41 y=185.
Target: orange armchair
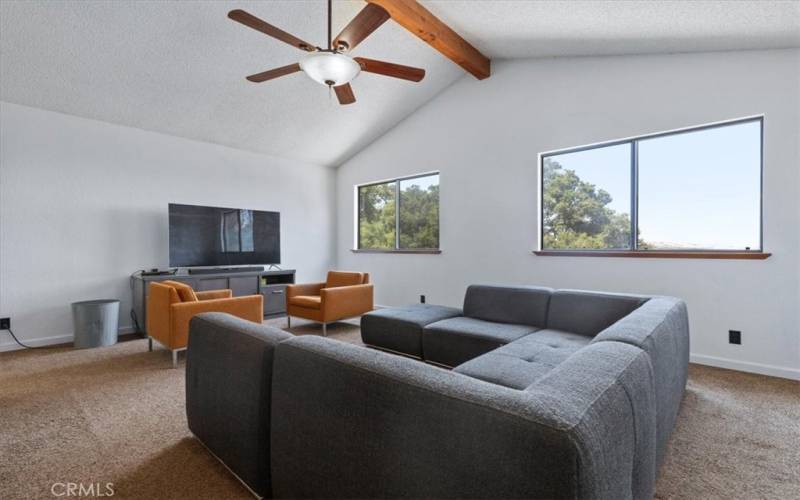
x=343 y=295
x=171 y=304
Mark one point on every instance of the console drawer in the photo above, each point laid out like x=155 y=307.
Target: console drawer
x=274 y=299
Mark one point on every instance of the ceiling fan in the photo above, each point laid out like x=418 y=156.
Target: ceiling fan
x=332 y=66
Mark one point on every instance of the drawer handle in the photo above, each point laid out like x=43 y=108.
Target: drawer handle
x=277 y=291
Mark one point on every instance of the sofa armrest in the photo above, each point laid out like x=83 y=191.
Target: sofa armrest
x=228 y=390
x=346 y=301
x=395 y=427
x=214 y=294
x=249 y=307
x=304 y=289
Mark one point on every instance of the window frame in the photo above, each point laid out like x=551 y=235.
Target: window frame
x=396 y=180
x=634 y=251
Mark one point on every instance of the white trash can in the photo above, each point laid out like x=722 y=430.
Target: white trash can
x=96 y=322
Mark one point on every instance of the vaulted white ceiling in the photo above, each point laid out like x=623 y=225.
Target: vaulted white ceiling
x=178 y=67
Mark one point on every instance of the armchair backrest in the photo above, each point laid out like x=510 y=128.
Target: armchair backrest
x=159 y=301
x=345 y=278
x=185 y=292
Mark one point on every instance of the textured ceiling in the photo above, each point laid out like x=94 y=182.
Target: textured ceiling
x=178 y=67
x=522 y=29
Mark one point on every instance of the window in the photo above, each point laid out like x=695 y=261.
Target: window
x=693 y=190
x=237 y=231
x=400 y=215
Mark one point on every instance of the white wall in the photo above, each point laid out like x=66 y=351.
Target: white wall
x=83 y=204
x=484 y=137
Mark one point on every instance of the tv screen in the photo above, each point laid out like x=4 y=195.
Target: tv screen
x=214 y=236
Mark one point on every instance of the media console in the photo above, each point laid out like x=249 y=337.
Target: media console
x=270 y=284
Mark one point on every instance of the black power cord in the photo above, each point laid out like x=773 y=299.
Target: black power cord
x=135 y=321
x=24 y=345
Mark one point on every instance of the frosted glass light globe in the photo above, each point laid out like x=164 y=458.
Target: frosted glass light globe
x=330 y=68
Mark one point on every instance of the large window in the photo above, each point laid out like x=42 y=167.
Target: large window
x=400 y=215
x=693 y=190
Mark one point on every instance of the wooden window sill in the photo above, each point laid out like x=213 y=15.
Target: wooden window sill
x=656 y=254
x=410 y=251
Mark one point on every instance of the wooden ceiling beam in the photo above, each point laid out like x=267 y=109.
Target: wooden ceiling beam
x=419 y=21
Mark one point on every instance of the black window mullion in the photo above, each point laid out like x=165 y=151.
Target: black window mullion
x=634 y=195
x=358 y=218
x=397 y=215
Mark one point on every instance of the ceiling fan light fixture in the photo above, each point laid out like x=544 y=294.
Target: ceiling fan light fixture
x=330 y=68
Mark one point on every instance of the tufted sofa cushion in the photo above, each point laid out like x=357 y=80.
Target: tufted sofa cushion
x=526 y=360
x=456 y=340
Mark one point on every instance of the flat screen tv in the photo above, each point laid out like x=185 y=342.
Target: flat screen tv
x=214 y=236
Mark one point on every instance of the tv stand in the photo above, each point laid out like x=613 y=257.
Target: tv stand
x=241 y=280
x=225 y=270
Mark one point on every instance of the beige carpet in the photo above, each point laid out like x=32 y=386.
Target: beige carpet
x=116 y=415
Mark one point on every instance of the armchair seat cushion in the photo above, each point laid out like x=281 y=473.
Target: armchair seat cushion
x=524 y=361
x=456 y=340
x=309 y=301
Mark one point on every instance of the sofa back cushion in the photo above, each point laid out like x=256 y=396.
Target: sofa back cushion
x=589 y=313
x=503 y=304
x=342 y=278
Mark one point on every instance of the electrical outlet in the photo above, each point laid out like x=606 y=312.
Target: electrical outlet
x=5 y=323
x=734 y=337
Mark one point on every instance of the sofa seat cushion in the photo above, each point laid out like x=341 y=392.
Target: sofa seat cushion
x=456 y=340
x=309 y=301
x=399 y=329
x=526 y=360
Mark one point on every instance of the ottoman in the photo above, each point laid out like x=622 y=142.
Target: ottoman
x=399 y=329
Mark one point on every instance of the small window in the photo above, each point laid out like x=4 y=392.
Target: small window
x=691 y=190
x=400 y=214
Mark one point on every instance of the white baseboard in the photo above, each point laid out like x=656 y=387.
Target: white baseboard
x=700 y=359
x=746 y=366
x=8 y=344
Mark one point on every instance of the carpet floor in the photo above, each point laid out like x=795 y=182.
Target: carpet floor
x=116 y=415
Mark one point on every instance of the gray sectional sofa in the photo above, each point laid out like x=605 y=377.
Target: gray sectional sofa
x=553 y=394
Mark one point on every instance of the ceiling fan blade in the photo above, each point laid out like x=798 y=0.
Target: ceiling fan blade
x=257 y=24
x=274 y=73
x=368 y=20
x=345 y=94
x=390 y=69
